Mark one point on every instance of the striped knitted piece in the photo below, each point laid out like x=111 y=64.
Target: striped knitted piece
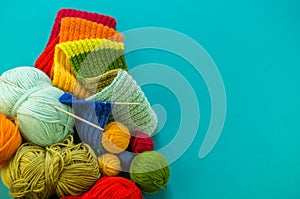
x=92 y=111
x=125 y=89
x=97 y=84
x=75 y=29
x=98 y=18
x=84 y=59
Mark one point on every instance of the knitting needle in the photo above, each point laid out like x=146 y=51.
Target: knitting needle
x=71 y=114
x=78 y=118
x=127 y=103
x=116 y=103
x=8 y=82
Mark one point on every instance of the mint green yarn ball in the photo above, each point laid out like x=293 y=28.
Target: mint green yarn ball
x=150 y=171
x=30 y=98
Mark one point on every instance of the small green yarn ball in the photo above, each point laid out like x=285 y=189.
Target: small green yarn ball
x=150 y=171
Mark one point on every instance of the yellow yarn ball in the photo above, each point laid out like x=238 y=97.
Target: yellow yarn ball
x=115 y=138
x=109 y=165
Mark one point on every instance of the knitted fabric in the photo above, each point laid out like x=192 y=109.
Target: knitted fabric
x=75 y=29
x=93 y=111
x=98 y=18
x=97 y=84
x=84 y=59
x=125 y=89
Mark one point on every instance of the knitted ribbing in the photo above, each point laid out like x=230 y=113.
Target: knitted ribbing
x=98 y=18
x=125 y=89
x=75 y=29
x=85 y=58
x=97 y=84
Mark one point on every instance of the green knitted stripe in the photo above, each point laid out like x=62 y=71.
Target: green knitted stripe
x=97 y=84
x=97 y=62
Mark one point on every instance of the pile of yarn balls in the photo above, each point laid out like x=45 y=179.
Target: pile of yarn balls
x=41 y=152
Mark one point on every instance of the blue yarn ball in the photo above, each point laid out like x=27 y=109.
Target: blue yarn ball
x=31 y=100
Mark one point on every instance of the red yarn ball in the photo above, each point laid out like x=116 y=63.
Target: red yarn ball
x=111 y=187
x=141 y=142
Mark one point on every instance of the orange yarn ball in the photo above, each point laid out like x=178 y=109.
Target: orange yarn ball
x=10 y=139
x=109 y=165
x=115 y=138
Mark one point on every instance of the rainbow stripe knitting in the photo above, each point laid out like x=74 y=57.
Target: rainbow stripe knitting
x=82 y=59
x=80 y=86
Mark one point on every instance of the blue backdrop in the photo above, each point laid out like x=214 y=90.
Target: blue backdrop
x=255 y=45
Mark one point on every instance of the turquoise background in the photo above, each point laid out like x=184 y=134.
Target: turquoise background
x=255 y=45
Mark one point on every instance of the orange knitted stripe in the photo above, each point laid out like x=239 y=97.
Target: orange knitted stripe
x=77 y=29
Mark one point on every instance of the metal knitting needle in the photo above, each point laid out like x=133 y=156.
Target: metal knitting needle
x=78 y=118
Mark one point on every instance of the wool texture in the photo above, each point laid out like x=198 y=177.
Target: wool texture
x=150 y=170
x=92 y=111
x=97 y=84
x=10 y=138
x=125 y=89
x=73 y=29
x=141 y=142
x=74 y=61
x=62 y=169
x=115 y=138
x=109 y=164
x=66 y=12
x=111 y=188
x=31 y=100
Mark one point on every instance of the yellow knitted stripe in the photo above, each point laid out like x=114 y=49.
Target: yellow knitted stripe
x=73 y=48
x=63 y=75
x=64 y=78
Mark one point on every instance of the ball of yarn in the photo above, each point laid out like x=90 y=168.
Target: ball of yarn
x=31 y=98
x=62 y=169
x=141 y=142
x=109 y=164
x=10 y=139
x=115 y=138
x=111 y=188
x=150 y=171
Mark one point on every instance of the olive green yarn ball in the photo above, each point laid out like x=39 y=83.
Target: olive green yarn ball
x=150 y=171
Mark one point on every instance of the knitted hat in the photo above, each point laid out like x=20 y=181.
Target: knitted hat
x=75 y=29
x=125 y=89
x=84 y=59
x=92 y=111
x=98 y=18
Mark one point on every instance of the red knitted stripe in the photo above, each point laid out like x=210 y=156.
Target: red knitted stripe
x=45 y=60
x=98 y=18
